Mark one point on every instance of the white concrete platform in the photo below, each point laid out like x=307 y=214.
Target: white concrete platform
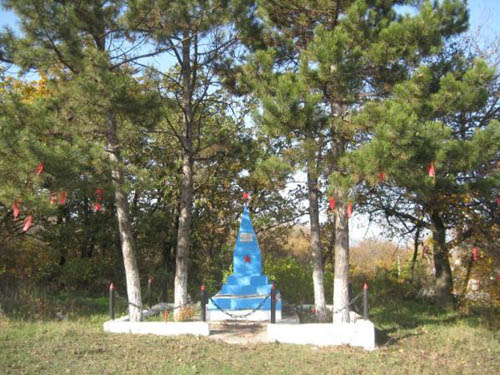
x=257 y=316
x=157 y=328
x=361 y=333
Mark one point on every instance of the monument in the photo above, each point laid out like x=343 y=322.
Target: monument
x=246 y=295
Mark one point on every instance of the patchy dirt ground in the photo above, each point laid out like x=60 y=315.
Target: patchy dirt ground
x=243 y=332
x=238 y=332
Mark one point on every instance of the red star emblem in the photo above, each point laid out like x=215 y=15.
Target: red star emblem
x=247 y=258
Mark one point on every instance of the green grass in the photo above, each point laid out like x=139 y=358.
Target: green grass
x=415 y=338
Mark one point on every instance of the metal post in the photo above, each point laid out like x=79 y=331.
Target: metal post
x=112 y=301
x=349 y=290
x=203 y=303
x=365 y=301
x=164 y=296
x=273 y=303
x=150 y=294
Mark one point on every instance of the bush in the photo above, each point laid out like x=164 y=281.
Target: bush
x=186 y=313
x=293 y=278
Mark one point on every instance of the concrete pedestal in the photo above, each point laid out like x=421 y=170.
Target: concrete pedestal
x=361 y=333
x=157 y=328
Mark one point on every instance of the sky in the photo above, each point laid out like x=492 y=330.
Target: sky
x=484 y=15
x=484 y=26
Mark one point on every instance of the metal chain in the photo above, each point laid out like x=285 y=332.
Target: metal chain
x=338 y=310
x=133 y=304
x=243 y=315
x=126 y=300
x=349 y=304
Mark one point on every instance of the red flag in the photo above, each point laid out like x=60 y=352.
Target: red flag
x=97 y=206
x=475 y=253
x=27 y=223
x=39 y=169
x=245 y=196
x=349 y=210
x=432 y=171
x=15 y=208
x=332 y=204
x=99 y=193
x=498 y=201
x=382 y=176
x=62 y=199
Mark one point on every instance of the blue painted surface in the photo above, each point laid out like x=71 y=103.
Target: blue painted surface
x=247 y=280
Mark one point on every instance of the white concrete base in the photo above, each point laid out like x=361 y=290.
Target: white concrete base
x=259 y=315
x=361 y=333
x=157 y=328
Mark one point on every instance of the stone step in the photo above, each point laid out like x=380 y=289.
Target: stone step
x=245 y=289
x=255 y=280
x=241 y=303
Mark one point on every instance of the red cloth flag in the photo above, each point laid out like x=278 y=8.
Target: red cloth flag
x=27 y=223
x=15 y=208
x=349 y=210
x=432 y=171
x=97 y=206
x=99 y=193
x=39 y=169
x=245 y=196
x=475 y=253
x=332 y=204
x=62 y=199
x=382 y=176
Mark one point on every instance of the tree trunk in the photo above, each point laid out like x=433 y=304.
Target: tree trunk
x=183 y=237
x=467 y=278
x=185 y=213
x=341 y=280
x=444 y=281
x=415 y=253
x=319 y=290
x=124 y=226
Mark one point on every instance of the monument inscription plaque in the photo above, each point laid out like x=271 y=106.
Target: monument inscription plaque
x=246 y=237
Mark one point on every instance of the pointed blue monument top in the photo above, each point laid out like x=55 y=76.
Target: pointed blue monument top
x=247 y=260
x=246 y=288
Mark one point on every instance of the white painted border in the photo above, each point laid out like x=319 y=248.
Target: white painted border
x=361 y=333
x=157 y=328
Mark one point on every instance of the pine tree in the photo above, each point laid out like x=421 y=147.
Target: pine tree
x=86 y=50
x=199 y=37
x=324 y=66
x=437 y=140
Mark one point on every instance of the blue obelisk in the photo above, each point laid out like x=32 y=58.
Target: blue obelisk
x=247 y=288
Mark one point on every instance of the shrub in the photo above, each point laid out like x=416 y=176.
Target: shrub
x=293 y=278
x=186 y=313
